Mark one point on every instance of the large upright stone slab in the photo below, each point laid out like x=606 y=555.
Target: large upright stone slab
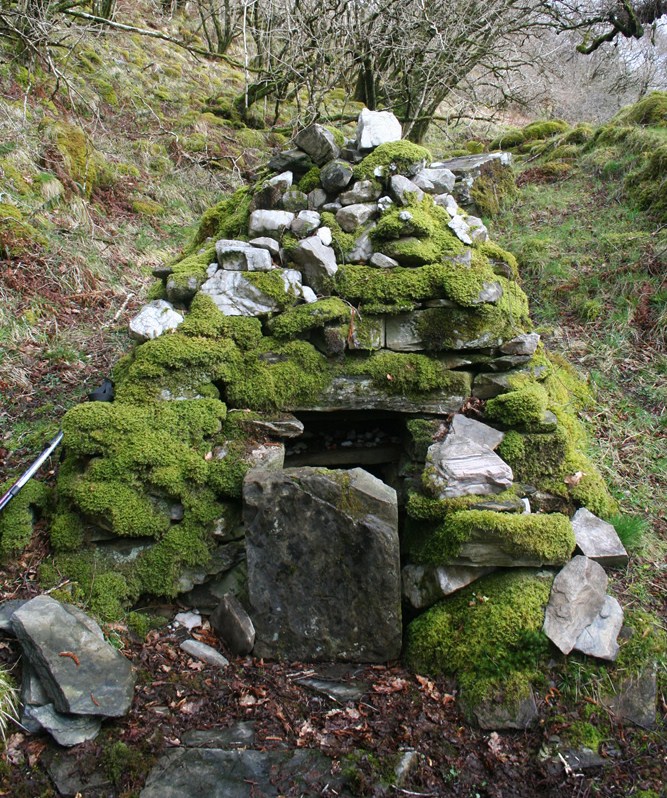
x=323 y=565
x=80 y=671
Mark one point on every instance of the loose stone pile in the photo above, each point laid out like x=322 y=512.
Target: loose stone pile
x=348 y=279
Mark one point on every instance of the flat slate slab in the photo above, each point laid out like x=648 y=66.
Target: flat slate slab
x=323 y=565
x=215 y=773
x=597 y=539
x=80 y=671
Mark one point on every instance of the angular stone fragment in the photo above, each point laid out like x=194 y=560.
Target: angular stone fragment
x=267 y=243
x=577 y=595
x=381 y=261
x=363 y=246
x=154 y=319
x=294 y=200
x=242 y=257
x=318 y=142
x=330 y=536
x=460 y=229
x=325 y=236
x=447 y=202
x=424 y=184
x=317 y=261
x=423 y=585
x=403 y=333
x=458 y=466
x=95 y=680
x=442 y=179
x=296 y=161
x=476 y=431
x=524 y=344
x=377 y=127
x=282 y=182
x=477 y=229
x=635 y=697
x=204 y=653
x=235 y=295
x=361 y=191
x=316 y=199
x=233 y=625
x=597 y=539
x=269 y=223
x=404 y=190
x=7 y=609
x=286 y=426
x=268 y=456
x=599 y=638
x=488 y=386
x=66 y=730
x=335 y=176
x=223 y=558
x=510 y=714
x=352 y=216
x=306 y=222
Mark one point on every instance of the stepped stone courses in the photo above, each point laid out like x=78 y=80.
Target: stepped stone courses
x=364 y=290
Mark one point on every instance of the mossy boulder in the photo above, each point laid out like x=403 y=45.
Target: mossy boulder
x=397 y=157
x=84 y=165
x=18 y=238
x=489 y=635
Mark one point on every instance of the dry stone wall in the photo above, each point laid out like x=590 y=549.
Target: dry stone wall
x=338 y=381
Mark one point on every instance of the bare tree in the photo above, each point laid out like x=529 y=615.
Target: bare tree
x=601 y=21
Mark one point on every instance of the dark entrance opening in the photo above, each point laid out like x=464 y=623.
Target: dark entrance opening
x=369 y=439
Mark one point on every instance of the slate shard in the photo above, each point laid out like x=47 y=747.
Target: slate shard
x=80 y=671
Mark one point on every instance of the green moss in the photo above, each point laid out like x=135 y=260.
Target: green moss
x=86 y=167
x=482 y=326
x=101 y=586
x=398 y=157
x=141 y=623
x=227 y=219
x=547 y=538
x=402 y=288
x=424 y=221
x=646 y=645
x=303 y=318
x=310 y=181
x=16 y=520
x=204 y=319
x=650 y=110
x=342 y=242
x=580 y=134
x=156 y=291
x=525 y=406
x=583 y=734
x=412 y=374
x=183 y=365
x=226 y=475
x=67 y=532
x=543 y=130
x=339 y=138
x=421 y=432
x=413 y=251
x=147 y=207
x=494 y=189
x=158 y=568
x=647 y=184
x=278 y=376
x=489 y=635
x=273 y=286
x=500 y=256
x=425 y=508
x=18 y=238
x=507 y=140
